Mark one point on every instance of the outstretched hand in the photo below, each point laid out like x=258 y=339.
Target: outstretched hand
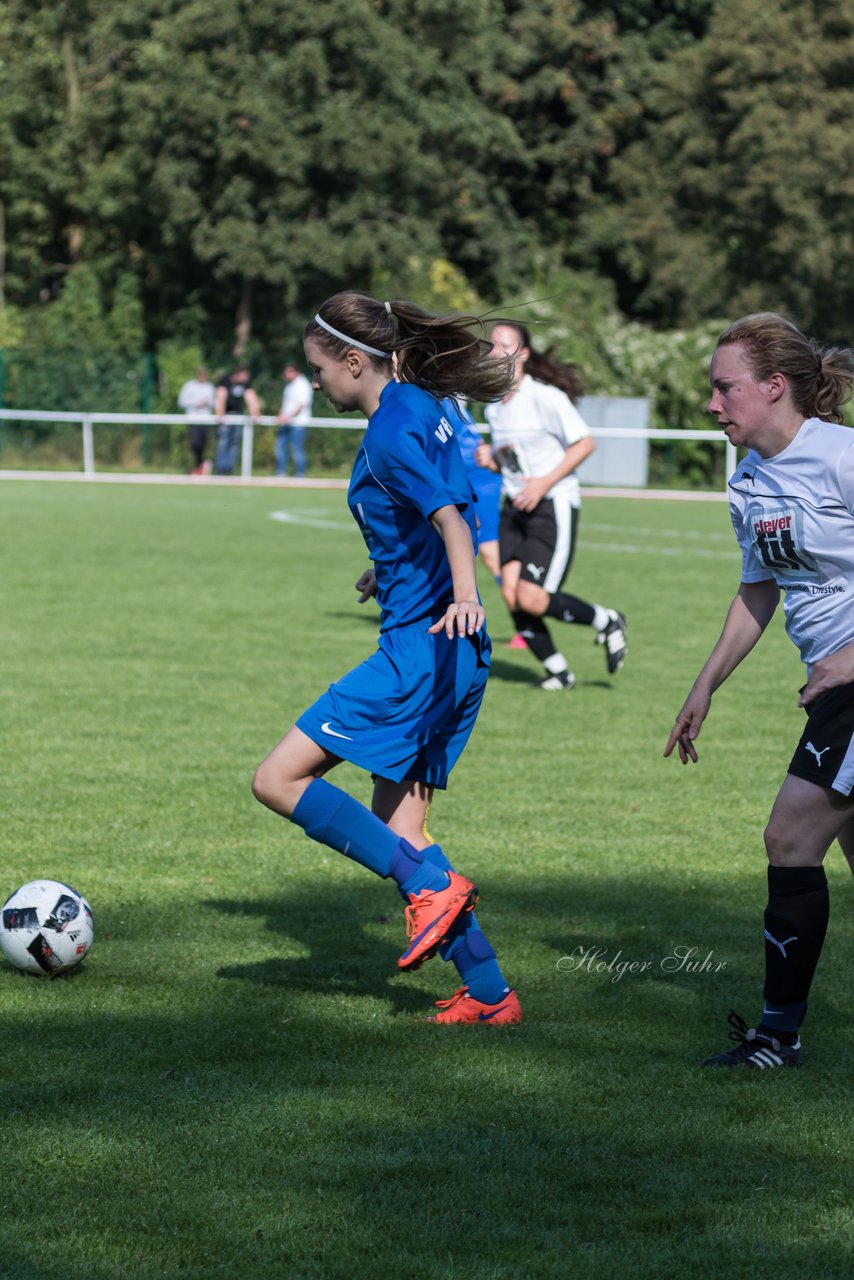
x=462 y=618
x=367 y=586
x=687 y=726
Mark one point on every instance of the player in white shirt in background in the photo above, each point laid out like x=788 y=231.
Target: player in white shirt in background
x=198 y=395
x=295 y=413
x=779 y=395
x=538 y=440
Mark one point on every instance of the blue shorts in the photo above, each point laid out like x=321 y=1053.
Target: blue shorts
x=487 y=490
x=406 y=712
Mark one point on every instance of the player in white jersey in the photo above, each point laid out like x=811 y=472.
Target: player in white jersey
x=538 y=440
x=779 y=395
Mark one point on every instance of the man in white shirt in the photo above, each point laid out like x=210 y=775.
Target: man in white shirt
x=297 y=398
x=198 y=396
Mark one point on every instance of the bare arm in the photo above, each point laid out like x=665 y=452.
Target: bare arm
x=252 y=403
x=484 y=457
x=749 y=614
x=829 y=672
x=466 y=614
x=221 y=396
x=537 y=487
x=284 y=419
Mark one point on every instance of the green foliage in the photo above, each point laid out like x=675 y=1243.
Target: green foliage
x=76 y=352
x=736 y=196
x=205 y=173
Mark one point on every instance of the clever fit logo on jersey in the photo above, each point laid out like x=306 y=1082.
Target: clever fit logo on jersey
x=778 y=536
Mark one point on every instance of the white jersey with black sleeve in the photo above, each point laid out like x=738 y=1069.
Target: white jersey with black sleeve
x=793 y=515
x=531 y=432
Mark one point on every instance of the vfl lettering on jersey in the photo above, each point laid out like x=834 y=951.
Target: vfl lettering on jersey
x=815 y=752
x=779 y=541
x=326 y=727
x=782 y=945
x=444 y=431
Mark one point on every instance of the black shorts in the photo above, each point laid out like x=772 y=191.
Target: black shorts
x=542 y=540
x=825 y=753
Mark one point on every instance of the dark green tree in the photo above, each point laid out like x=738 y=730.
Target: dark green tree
x=738 y=194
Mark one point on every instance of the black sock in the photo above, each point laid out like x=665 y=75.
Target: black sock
x=535 y=633
x=568 y=608
x=795 y=925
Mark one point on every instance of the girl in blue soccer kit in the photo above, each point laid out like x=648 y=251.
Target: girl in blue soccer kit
x=485 y=485
x=406 y=713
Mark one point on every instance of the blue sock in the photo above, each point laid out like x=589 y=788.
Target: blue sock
x=469 y=948
x=435 y=853
x=475 y=960
x=327 y=814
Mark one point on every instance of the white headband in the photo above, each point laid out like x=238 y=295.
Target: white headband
x=351 y=342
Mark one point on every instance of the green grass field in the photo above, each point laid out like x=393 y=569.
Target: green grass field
x=234 y=1082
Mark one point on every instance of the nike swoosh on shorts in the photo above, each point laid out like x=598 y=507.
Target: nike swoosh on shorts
x=326 y=728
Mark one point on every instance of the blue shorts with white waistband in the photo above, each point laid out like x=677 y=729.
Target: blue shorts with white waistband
x=406 y=712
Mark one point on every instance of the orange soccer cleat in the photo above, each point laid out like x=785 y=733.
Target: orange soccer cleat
x=464 y=1008
x=430 y=916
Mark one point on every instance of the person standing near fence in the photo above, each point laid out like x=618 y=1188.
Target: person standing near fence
x=198 y=396
x=538 y=440
x=406 y=713
x=294 y=415
x=234 y=395
x=779 y=395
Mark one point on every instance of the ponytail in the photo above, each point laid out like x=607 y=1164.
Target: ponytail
x=445 y=355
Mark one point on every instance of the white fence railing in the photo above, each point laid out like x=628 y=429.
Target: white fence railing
x=89 y=421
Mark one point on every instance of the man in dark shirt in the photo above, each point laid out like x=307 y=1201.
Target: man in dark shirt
x=234 y=396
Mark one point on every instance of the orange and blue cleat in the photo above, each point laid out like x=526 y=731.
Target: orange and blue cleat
x=431 y=915
x=464 y=1008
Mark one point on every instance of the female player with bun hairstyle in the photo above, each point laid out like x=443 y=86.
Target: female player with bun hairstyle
x=538 y=440
x=779 y=395
x=406 y=713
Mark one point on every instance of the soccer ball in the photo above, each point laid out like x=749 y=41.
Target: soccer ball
x=45 y=927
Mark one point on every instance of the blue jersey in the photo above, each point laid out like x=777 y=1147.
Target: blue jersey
x=485 y=484
x=468 y=436
x=409 y=465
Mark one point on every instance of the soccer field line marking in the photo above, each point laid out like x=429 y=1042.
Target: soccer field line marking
x=636 y=549
x=312 y=519
x=695 y=534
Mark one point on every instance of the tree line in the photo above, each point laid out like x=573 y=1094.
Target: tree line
x=199 y=174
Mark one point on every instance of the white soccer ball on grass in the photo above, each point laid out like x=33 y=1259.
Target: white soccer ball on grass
x=45 y=927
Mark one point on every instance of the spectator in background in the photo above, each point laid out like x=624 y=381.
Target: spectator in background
x=234 y=395
x=295 y=413
x=198 y=395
